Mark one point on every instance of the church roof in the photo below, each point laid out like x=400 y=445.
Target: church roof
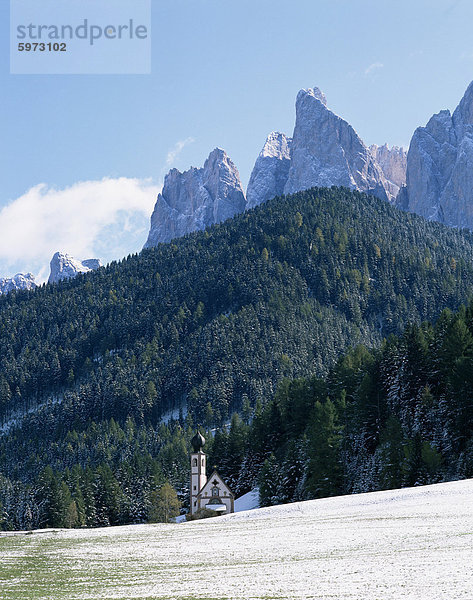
x=198 y=442
x=216 y=480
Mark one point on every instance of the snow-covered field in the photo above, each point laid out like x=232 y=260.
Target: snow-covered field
x=414 y=543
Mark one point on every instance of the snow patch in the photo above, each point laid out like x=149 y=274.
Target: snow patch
x=248 y=501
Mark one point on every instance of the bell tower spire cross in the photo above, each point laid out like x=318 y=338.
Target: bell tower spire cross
x=198 y=470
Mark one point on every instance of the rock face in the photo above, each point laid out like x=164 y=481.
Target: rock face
x=197 y=198
x=393 y=163
x=271 y=170
x=92 y=263
x=324 y=151
x=439 y=183
x=64 y=266
x=327 y=151
x=20 y=281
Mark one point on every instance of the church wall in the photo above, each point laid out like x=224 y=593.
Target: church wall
x=224 y=500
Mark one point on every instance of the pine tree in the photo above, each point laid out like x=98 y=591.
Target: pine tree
x=324 y=472
x=392 y=453
x=269 y=482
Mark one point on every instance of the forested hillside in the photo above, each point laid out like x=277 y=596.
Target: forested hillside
x=398 y=416
x=214 y=322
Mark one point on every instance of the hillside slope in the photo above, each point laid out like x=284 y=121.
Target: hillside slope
x=214 y=320
x=399 y=544
x=224 y=314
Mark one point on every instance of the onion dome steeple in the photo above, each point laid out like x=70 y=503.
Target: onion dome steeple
x=198 y=442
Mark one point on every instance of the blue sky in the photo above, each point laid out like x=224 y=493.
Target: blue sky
x=223 y=74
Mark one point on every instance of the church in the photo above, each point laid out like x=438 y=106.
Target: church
x=207 y=493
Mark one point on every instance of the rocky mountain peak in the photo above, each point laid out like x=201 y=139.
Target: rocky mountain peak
x=277 y=145
x=464 y=111
x=393 y=163
x=64 y=266
x=196 y=199
x=221 y=179
x=217 y=156
x=439 y=183
x=314 y=92
x=21 y=281
x=327 y=151
x=324 y=151
x=92 y=263
x=271 y=170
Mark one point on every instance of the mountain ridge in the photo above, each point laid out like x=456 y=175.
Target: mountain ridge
x=324 y=150
x=439 y=180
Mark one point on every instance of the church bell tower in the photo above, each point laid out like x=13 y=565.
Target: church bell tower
x=198 y=470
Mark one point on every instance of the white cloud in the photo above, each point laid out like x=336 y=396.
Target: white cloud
x=104 y=219
x=373 y=67
x=176 y=150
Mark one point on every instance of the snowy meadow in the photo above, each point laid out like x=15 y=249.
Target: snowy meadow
x=414 y=543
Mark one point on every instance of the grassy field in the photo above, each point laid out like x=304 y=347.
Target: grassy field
x=415 y=543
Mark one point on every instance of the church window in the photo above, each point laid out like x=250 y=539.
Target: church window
x=202 y=462
x=195 y=503
x=215 y=491
x=195 y=487
x=194 y=462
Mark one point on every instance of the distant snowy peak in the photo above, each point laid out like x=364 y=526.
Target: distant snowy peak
x=393 y=163
x=20 y=281
x=196 y=199
x=327 y=151
x=277 y=145
x=439 y=183
x=315 y=92
x=271 y=170
x=64 y=266
x=92 y=264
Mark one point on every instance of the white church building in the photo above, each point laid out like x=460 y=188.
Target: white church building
x=210 y=493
